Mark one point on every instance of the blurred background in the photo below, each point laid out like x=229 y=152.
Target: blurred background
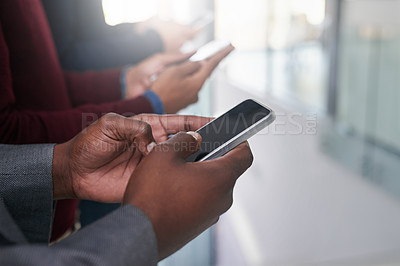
x=324 y=188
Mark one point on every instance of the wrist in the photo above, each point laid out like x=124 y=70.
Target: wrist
x=155 y=102
x=123 y=80
x=62 y=178
x=136 y=83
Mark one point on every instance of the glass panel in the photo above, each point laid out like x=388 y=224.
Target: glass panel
x=279 y=47
x=369 y=91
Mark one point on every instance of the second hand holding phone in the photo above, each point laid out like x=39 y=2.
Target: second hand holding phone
x=203 y=53
x=209 y=50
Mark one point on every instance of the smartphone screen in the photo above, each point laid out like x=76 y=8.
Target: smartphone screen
x=239 y=123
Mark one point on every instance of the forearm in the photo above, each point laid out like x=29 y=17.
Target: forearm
x=93 y=87
x=25 y=127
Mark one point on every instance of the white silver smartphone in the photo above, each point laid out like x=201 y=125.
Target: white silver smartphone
x=209 y=49
x=232 y=128
x=203 y=53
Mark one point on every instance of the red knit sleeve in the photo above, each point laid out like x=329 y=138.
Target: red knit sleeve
x=93 y=87
x=21 y=126
x=24 y=126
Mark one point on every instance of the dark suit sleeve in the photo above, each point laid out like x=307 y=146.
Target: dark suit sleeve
x=125 y=237
x=26 y=187
x=84 y=41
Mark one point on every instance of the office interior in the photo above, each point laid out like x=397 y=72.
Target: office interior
x=324 y=188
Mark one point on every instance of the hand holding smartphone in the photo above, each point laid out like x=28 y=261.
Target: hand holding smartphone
x=205 y=52
x=232 y=128
x=209 y=50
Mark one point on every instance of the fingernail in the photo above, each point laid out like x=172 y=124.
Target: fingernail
x=151 y=146
x=195 y=135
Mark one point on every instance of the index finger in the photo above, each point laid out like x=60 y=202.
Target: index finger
x=210 y=64
x=171 y=58
x=119 y=128
x=238 y=160
x=187 y=68
x=177 y=123
x=215 y=59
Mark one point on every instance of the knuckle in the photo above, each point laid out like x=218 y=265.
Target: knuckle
x=183 y=137
x=228 y=202
x=215 y=220
x=196 y=99
x=227 y=175
x=250 y=159
x=233 y=176
x=187 y=123
x=244 y=161
x=108 y=120
x=143 y=128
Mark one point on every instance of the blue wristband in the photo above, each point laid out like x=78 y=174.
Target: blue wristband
x=155 y=102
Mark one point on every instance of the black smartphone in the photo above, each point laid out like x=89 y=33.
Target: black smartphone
x=232 y=128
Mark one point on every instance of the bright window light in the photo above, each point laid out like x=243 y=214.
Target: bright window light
x=313 y=9
x=121 y=11
x=257 y=24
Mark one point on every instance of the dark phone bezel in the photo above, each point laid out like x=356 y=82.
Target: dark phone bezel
x=236 y=139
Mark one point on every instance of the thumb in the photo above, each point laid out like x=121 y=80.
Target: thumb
x=184 y=144
x=119 y=128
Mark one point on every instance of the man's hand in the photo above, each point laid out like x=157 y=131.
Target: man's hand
x=178 y=86
x=138 y=78
x=184 y=199
x=97 y=163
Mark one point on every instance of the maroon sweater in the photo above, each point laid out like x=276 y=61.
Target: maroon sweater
x=39 y=103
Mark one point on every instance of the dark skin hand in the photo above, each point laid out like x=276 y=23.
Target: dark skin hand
x=183 y=199
x=98 y=162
